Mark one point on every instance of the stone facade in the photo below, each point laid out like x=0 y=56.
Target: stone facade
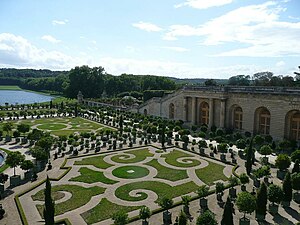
x=264 y=110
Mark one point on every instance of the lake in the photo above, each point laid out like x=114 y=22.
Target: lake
x=22 y=97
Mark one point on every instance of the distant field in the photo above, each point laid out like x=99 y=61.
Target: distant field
x=8 y=87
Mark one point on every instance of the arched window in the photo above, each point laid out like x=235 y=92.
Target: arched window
x=295 y=126
x=171 y=111
x=204 y=113
x=264 y=121
x=145 y=112
x=238 y=118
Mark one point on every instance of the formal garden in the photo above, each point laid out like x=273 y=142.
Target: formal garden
x=129 y=166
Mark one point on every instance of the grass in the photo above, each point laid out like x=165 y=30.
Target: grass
x=140 y=155
x=51 y=126
x=77 y=200
x=172 y=157
x=91 y=176
x=161 y=189
x=10 y=87
x=167 y=173
x=56 y=125
x=96 y=161
x=122 y=172
x=211 y=173
x=105 y=210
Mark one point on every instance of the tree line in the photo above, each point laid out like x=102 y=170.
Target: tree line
x=96 y=83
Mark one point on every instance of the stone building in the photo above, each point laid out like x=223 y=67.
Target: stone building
x=259 y=110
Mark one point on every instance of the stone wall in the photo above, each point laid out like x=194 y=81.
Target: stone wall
x=278 y=104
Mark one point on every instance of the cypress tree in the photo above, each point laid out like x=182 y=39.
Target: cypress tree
x=296 y=168
x=227 y=218
x=262 y=199
x=163 y=136
x=287 y=187
x=249 y=158
x=49 y=204
x=121 y=124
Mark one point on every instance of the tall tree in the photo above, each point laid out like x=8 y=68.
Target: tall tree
x=262 y=199
x=49 y=209
x=121 y=124
x=249 y=158
x=227 y=218
x=287 y=187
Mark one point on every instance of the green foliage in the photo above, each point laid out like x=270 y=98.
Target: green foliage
x=120 y=218
x=14 y=159
x=203 y=191
x=27 y=165
x=287 y=187
x=186 y=199
x=244 y=178
x=7 y=127
x=296 y=181
x=23 y=128
x=182 y=218
x=262 y=199
x=246 y=202
x=239 y=80
x=295 y=155
x=262 y=171
x=282 y=161
x=219 y=187
x=275 y=193
x=258 y=140
x=87 y=80
x=233 y=181
x=38 y=153
x=222 y=147
x=206 y=218
x=227 y=218
x=166 y=203
x=249 y=158
x=265 y=150
x=145 y=213
x=49 y=209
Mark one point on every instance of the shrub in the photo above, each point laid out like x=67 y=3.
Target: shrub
x=283 y=161
x=206 y=218
x=246 y=203
x=244 y=178
x=295 y=155
x=275 y=194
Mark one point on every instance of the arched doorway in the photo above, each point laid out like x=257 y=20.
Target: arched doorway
x=171 y=111
x=262 y=120
x=237 y=118
x=145 y=112
x=204 y=113
x=292 y=123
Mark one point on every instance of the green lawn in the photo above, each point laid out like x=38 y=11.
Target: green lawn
x=75 y=201
x=167 y=173
x=140 y=155
x=172 y=157
x=105 y=210
x=90 y=176
x=10 y=87
x=130 y=172
x=96 y=161
x=51 y=126
x=161 y=189
x=211 y=173
x=57 y=125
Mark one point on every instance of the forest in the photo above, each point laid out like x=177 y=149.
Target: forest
x=96 y=82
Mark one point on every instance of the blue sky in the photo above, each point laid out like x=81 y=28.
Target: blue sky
x=179 y=38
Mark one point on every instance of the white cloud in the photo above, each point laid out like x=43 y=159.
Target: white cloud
x=176 y=49
x=256 y=26
x=16 y=51
x=51 y=39
x=150 y=27
x=280 y=64
x=59 y=22
x=203 y=4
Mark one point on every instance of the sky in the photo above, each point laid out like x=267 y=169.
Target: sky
x=177 y=38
